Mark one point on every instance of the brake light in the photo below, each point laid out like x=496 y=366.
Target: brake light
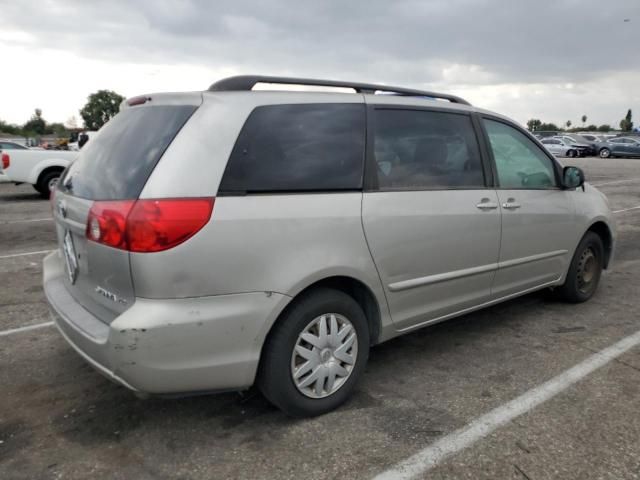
x=107 y=223
x=6 y=161
x=147 y=225
x=138 y=100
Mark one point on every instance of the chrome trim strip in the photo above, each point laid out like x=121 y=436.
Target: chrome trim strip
x=532 y=258
x=467 y=272
x=478 y=307
x=441 y=277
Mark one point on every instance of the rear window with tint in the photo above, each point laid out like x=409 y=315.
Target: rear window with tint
x=115 y=164
x=310 y=147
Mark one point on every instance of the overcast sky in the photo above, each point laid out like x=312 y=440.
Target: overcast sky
x=554 y=60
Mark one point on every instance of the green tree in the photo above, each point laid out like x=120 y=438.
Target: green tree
x=568 y=124
x=533 y=124
x=545 y=127
x=36 y=123
x=584 y=120
x=626 y=125
x=604 y=128
x=591 y=128
x=100 y=107
x=10 y=128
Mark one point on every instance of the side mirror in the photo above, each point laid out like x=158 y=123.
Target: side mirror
x=572 y=177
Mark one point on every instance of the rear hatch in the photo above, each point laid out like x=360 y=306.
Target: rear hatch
x=112 y=169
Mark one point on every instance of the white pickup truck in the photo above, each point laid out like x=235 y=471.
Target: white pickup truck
x=40 y=168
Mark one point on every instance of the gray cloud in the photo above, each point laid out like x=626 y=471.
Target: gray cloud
x=406 y=42
x=554 y=60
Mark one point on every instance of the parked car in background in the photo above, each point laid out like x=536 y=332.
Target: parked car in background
x=4 y=145
x=8 y=145
x=583 y=145
x=619 y=147
x=40 y=168
x=560 y=147
x=592 y=137
x=546 y=133
x=264 y=254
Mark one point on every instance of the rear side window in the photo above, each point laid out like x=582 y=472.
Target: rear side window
x=309 y=147
x=417 y=150
x=11 y=146
x=116 y=163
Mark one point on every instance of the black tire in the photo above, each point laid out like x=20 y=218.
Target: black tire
x=44 y=181
x=585 y=270
x=275 y=378
x=571 y=154
x=604 y=153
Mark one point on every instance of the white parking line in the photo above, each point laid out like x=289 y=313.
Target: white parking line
x=613 y=182
x=25 y=329
x=6 y=222
x=13 y=255
x=626 y=209
x=435 y=453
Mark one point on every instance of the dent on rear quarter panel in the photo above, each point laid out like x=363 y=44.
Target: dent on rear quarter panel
x=259 y=243
x=255 y=243
x=264 y=243
x=194 y=344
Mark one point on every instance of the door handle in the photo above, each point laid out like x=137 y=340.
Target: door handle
x=511 y=204
x=486 y=204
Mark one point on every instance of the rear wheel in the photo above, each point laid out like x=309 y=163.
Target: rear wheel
x=571 y=153
x=315 y=354
x=47 y=182
x=585 y=270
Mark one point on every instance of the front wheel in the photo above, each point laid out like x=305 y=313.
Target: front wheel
x=571 y=154
x=605 y=153
x=315 y=355
x=585 y=270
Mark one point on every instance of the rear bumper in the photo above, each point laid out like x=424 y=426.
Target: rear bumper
x=170 y=346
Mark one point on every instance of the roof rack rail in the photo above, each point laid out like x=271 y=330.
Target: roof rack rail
x=247 y=82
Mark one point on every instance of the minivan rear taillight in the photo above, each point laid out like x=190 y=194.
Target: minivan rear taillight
x=6 y=161
x=147 y=225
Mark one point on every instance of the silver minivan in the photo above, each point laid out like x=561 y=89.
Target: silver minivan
x=210 y=241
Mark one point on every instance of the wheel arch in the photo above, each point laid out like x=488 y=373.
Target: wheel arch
x=353 y=287
x=46 y=171
x=601 y=229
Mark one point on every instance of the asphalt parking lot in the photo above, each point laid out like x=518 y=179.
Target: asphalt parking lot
x=60 y=419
